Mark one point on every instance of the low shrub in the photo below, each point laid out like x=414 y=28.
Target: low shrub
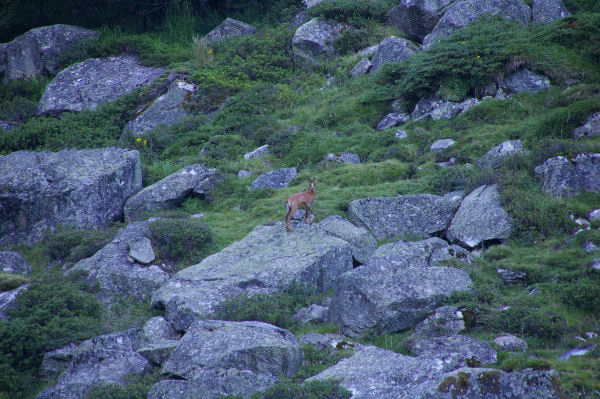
x=181 y=240
x=355 y=12
x=135 y=388
x=10 y=281
x=72 y=245
x=583 y=293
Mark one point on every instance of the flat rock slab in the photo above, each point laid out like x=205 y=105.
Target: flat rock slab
x=57 y=361
x=342 y=157
x=275 y=179
x=441 y=145
x=389 y=217
x=40 y=50
x=562 y=177
x=267 y=260
x=116 y=276
x=389 y=296
x=227 y=29
x=40 y=191
x=313 y=41
x=93 y=82
x=392 y=50
x=424 y=253
x=480 y=218
x=362 y=242
x=13 y=262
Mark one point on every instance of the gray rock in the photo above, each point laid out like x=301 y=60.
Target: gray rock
x=444 y=322
x=8 y=300
x=13 y=262
x=170 y=191
x=328 y=342
x=594 y=215
x=312 y=314
x=436 y=109
x=525 y=81
x=157 y=341
x=461 y=13
x=298 y=20
x=590 y=128
x=512 y=276
x=548 y=11
x=455 y=198
x=464 y=350
x=299 y=214
x=576 y=352
x=93 y=82
x=392 y=49
x=368 y=51
x=141 y=251
x=361 y=241
x=40 y=191
x=480 y=218
x=589 y=246
x=165 y=110
x=107 y=359
x=423 y=253
x=258 y=153
x=342 y=157
x=267 y=260
x=40 y=50
x=313 y=41
x=228 y=29
x=389 y=296
x=510 y=343
x=276 y=179
x=158 y=329
x=159 y=352
x=417 y=18
x=421 y=214
x=393 y=119
x=362 y=67
x=446 y=164
x=494 y=157
x=311 y=3
x=564 y=178
x=401 y=134
x=441 y=145
x=57 y=361
x=116 y=277
x=242 y=174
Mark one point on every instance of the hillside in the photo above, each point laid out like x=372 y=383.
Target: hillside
x=146 y=156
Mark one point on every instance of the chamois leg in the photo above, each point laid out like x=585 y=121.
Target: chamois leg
x=307 y=215
x=288 y=218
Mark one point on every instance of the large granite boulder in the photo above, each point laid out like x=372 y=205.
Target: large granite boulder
x=375 y=373
x=171 y=191
x=228 y=29
x=164 y=110
x=116 y=276
x=107 y=359
x=548 y=11
x=436 y=109
x=268 y=259
x=93 y=82
x=417 y=18
x=13 y=262
x=524 y=81
x=361 y=241
x=313 y=41
x=480 y=218
x=389 y=295
x=424 y=253
x=8 y=300
x=421 y=214
x=392 y=49
x=461 y=13
x=496 y=155
x=225 y=357
x=79 y=188
x=40 y=50
x=564 y=178
x=590 y=128
x=276 y=179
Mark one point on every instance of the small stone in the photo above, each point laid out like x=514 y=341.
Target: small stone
x=401 y=134
x=589 y=246
x=198 y=216
x=258 y=153
x=583 y=223
x=596 y=264
x=512 y=276
x=141 y=251
x=594 y=215
x=576 y=352
x=342 y=157
x=362 y=67
x=510 y=343
x=242 y=174
x=441 y=145
x=392 y=120
x=312 y=314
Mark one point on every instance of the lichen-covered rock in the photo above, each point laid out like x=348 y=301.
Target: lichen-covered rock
x=424 y=253
x=421 y=214
x=548 y=11
x=590 y=128
x=480 y=218
x=57 y=361
x=417 y=18
x=313 y=41
x=436 y=109
x=362 y=67
x=389 y=295
x=267 y=260
x=228 y=29
x=444 y=322
x=171 y=191
x=8 y=299
x=393 y=119
x=116 y=277
x=157 y=340
x=141 y=251
x=13 y=262
x=564 y=178
x=361 y=241
x=93 y=82
x=510 y=343
x=276 y=179
x=524 y=81
x=461 y=13
x=464 y=349
x=392 y=49
x=495 y=156
x=40 y=191
x=40 y=50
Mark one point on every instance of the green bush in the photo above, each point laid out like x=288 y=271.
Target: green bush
x=135 y=388
x=10 y=281
x=181 y=240
x=327 y=389
x=351 y=41
x=355 y=12
x=583 y=293
x=71 y=245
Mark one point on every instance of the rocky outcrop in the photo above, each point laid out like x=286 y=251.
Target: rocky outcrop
x=389 y=295
x=165 y=110
x=268 y=259
x=40 y=50
x=115 y=275
x=228 y=29
x=480 y=218
x=93 y=82
x=421 y=214
x=548 y=11
x=590 y=128
x=13 y=262
x=313 y=41
x=436 y=109
x=362 y=242
x=225 y=357
x=417 y=18
x=393 y=119
x=362 y=67
x=171 y=191
x=40 y=191
x=107 y=359
x=524 y=81
x=564 y=178
x=423 y=253
x=498 y=154
x=392 y=49
x=8 y=300
x=461 y=13
x=275 y=179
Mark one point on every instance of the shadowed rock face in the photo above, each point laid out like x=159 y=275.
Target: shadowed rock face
x=392 y=49
x=40 y=191
x=40 y=50
x=314 y=40
x=564 y=178
x=525 y=81
x=417 y=18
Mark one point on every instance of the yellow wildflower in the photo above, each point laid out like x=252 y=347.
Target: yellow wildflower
x=138 y=139
x=210 y=51
x=145 y=142
x=478 y=56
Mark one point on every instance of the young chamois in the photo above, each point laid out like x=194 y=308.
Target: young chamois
x=295 y=201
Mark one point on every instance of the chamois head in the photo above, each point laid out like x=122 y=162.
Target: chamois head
x=311 y=184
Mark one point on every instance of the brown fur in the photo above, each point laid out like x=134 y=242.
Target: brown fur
x=295 y=201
